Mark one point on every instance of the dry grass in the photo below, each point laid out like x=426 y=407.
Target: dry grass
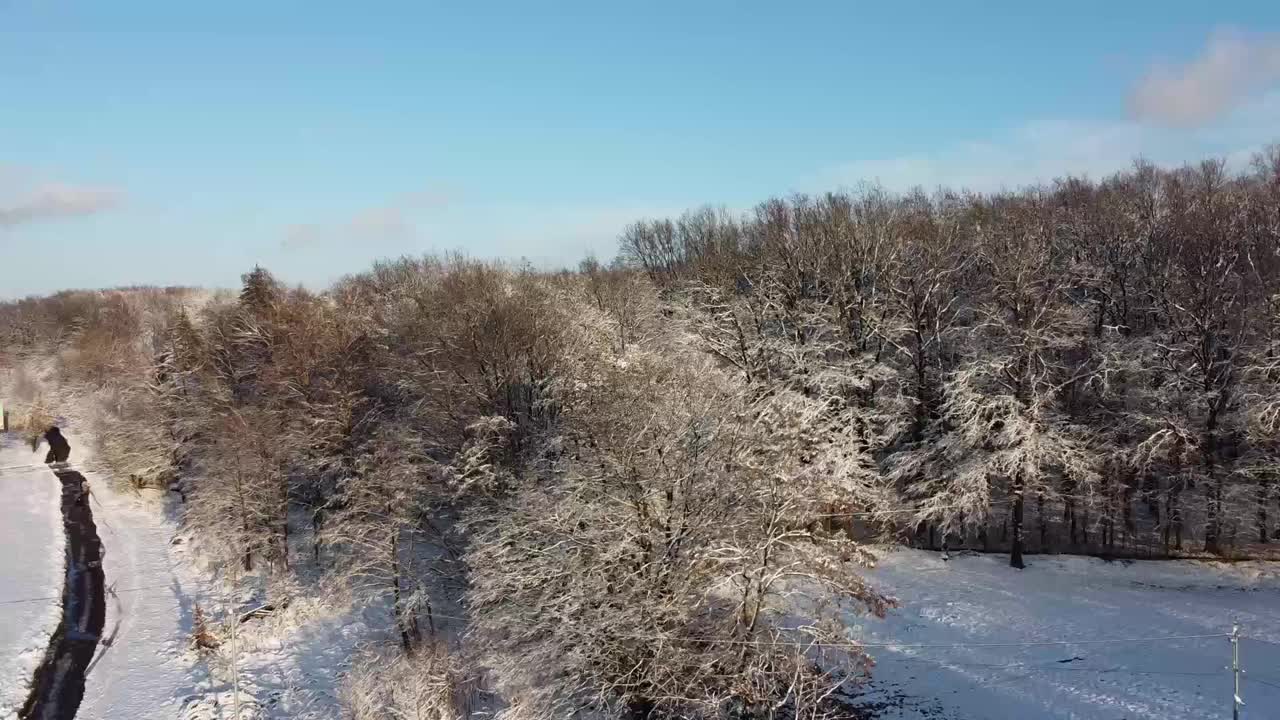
x=24 y=388
x=31 y=420
x=430 y=684
x=201 y=637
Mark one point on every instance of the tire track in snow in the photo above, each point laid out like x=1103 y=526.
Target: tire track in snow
x=58 y=686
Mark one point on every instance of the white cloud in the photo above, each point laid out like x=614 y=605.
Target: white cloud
x=558 y=236
x=392 y=221
x=1041 y=151
x=25 y=199
x=1232 y=68
x=1223 y=103
x=545 y=234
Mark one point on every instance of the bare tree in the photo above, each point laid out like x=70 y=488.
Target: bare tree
x=377 y=528
x=647 y=568
x=1000 y=420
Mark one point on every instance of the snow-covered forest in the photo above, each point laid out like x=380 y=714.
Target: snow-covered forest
x=653 y=487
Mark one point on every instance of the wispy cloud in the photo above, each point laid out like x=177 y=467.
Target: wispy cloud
x=1042 y=151
x=1224 y=103
x=559 y=236
x=391 y=221
x=431 y=220
x=1232 y=68
x=25 y=200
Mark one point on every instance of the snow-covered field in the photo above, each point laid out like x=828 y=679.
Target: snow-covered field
x=31 y=567
x=1068 y=637
x=140 y=670
x=289 y=664
x=1105 y=614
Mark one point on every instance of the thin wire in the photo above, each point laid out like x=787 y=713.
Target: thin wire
x=59 y=597
x=1126 y=671
x=918 y=645
x=32 y=466
x=1258 y=639
x=1046 y=665
x=874 y=514
x=849 y=645
x=1031 y=643
x=1254 y=678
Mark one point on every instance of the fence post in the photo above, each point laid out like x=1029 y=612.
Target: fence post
x=1236 y=702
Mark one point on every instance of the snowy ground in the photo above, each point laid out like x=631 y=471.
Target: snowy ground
x=957 y=649
x=289 y=665
x=141 y=670
x=1086 y=604
x=31 y=567
x=292 y=662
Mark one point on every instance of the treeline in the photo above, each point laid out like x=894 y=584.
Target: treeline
x=1103 y=354
x=632 y=478
x=626 y=519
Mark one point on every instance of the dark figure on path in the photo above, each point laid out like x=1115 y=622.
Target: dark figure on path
x=59 y=448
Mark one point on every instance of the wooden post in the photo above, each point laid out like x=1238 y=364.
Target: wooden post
x=1236 y=702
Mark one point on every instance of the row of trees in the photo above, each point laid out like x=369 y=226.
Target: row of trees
x=1104 y=351
x=630 y=476
x=628 y=521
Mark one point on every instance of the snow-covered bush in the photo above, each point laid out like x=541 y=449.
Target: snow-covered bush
x=431 y=684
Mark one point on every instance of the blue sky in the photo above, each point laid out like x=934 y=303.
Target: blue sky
x=185 y=142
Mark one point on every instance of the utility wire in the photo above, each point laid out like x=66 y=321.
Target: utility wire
x=875 y=513
x=1255 y=678
x=1029 y=643
x=1258 y=639
x=1046 y=665
x=59 y=597
x=1032 y=643
x=32 y=466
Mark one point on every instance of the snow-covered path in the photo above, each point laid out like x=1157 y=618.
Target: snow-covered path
x=979 y=599
x=139 y=672
x=31 y=567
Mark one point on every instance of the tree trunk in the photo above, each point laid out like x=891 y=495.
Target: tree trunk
x=1126 y=512
x=1177 y=532
x=284 y=543
x=244 y=518
x=248 y=554
x=1152 y=497
x=317 y=519
x=407 y=628
x=1044 y=527
x=1109 y=522
x=1213 y=522
x=1174 y=514
x=639 y=708
x=1264 y=492
x=1015 y=553
x=1213 y=494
